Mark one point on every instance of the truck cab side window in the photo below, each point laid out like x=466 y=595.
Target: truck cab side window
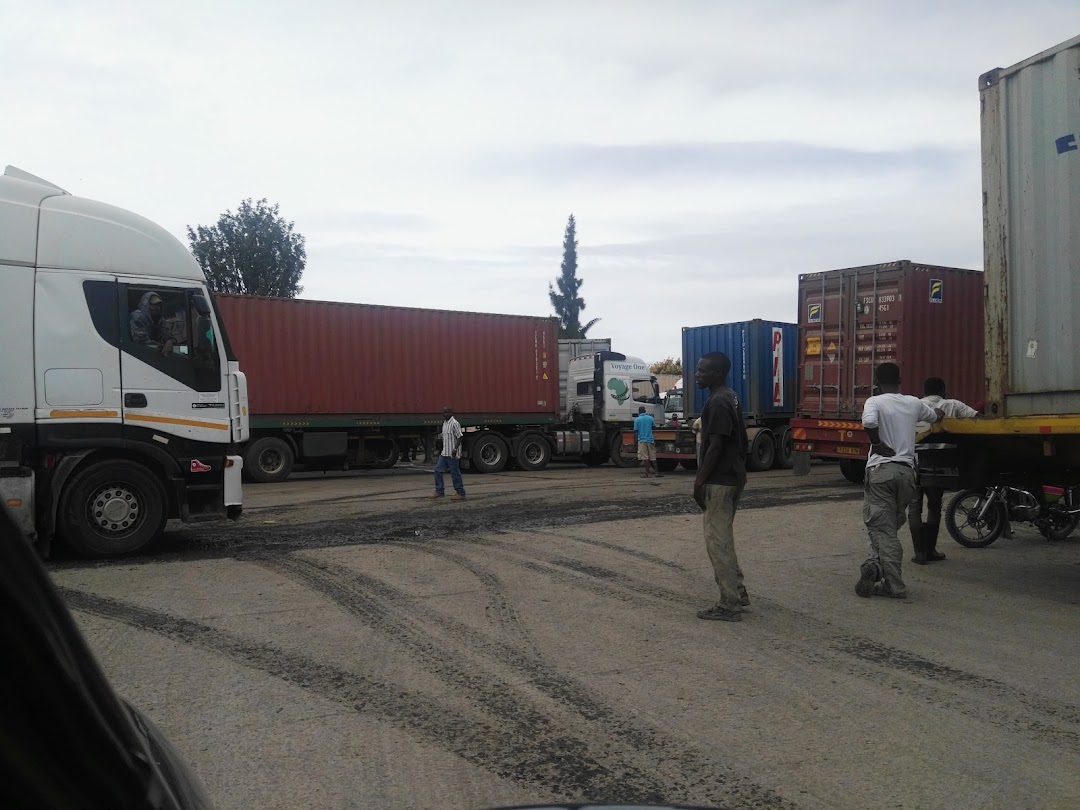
x=646 y=391
x=584 y=388
x=170 y=329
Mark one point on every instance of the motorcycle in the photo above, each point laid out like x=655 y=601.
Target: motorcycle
x=977 y=517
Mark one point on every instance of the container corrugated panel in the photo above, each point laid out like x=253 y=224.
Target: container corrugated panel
x=762 y=355
x=926 y=319
x=1031 y=185
x=569 y=348
x=317 y=357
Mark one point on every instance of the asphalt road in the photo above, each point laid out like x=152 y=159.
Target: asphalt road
x=351 y=644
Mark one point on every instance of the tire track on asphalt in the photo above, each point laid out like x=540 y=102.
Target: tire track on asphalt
x=251 y=540
x=853 y=654
x=561 y=766
x=506 y=615
x=398 y=616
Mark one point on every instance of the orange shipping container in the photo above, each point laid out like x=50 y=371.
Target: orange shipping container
x=321 y=358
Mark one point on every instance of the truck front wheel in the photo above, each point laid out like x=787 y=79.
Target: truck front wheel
x=112 y=507
x=268 y=459
x=617 y=457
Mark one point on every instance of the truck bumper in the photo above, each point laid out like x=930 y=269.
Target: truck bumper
x=825 y=438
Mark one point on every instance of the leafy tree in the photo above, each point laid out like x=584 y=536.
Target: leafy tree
x=566 y=301
x=669 y=365
x=254 y=252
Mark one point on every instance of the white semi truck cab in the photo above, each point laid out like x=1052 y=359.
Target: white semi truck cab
x=121 y=404
x=611 y=387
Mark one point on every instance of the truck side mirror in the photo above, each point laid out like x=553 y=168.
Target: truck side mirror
x=202 y=306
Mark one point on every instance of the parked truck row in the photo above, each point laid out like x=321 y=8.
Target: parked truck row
x=107 y=429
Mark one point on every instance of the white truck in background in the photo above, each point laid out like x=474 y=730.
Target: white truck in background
x=107 y=429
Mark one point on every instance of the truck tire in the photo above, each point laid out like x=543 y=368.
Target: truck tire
x=666 y=464
x=617 y=458
x=854 y=470
x=785 y=451
x=762 y=452
x=382 y=455
x=489 y=453
x=533 y=452
x=112 y=507
x=594 y=459
x=269 y=459
x=690 y=465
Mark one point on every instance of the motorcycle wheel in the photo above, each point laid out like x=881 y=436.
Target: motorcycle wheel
x=961 y=519
x=1061 y=525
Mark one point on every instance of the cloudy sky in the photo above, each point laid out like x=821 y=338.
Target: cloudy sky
x=430 y=152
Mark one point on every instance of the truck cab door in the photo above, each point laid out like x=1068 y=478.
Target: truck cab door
x=76 y=356
x=173 y=373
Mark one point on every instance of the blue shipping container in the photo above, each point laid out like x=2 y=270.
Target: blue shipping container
x=763 y=365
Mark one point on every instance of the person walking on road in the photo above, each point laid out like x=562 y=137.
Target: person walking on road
x=890 y=418
x=719 y=484
x=646 y=445
x=449 y=458
x=924 y=534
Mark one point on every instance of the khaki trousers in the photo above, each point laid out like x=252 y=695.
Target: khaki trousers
x=720 y=505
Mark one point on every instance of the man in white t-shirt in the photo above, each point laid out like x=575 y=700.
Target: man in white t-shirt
x=924 y=534
x=890 y=419
x=448 y=457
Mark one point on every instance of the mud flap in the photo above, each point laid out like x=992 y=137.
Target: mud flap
x=801 y=462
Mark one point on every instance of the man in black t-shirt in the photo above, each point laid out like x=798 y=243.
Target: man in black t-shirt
x=720 y=481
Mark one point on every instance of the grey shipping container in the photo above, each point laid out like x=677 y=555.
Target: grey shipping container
x=1031 y=213
x=569 y=348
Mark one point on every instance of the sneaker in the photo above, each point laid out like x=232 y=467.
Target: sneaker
x=435 y=497
x=720 y=614
x=868 y=576
x=744 y=599
x=881 y=589
x=458 y=498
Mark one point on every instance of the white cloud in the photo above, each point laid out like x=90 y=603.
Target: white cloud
x=711 y=150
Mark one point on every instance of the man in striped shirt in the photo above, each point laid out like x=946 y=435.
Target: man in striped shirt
x=449 y=457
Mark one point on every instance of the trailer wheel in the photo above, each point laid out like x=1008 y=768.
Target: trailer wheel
x=269 y=459
x=382 y=454
x=785 y=452
x=489 y=453
x=689 y=465
x=112 y=507
x=854 y=471
x=617 y=457
x=533 y=452
x=762 y=452
x=666 y=464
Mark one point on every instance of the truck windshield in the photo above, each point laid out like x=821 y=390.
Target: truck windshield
x=673 y=403
x=646 y=391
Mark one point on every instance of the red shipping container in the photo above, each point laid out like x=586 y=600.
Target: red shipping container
x=926 y=319
x=325 y=358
